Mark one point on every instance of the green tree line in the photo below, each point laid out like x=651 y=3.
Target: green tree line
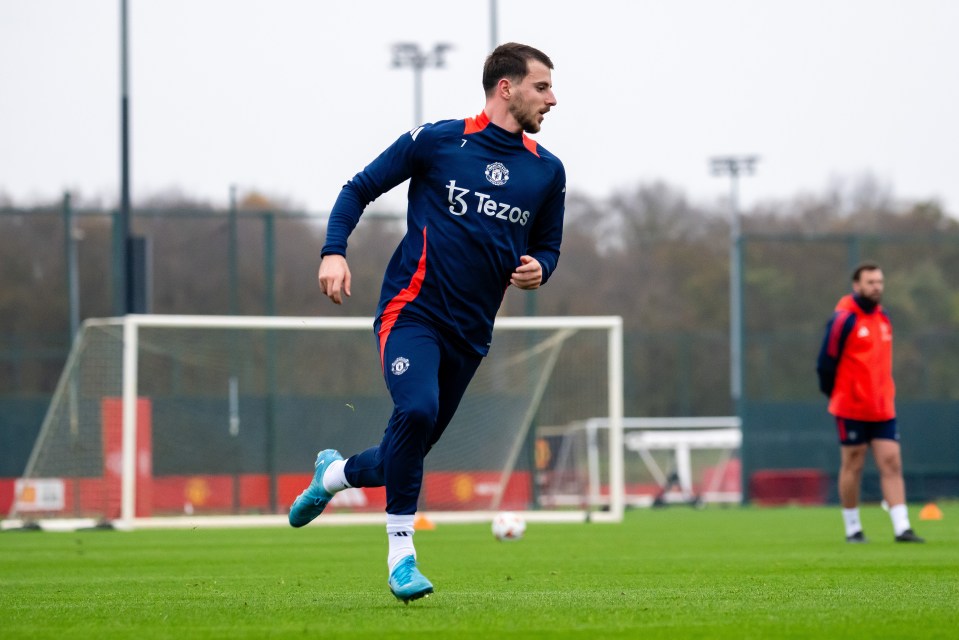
x=646 y=253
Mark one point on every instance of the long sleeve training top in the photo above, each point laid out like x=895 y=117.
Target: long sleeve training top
x=479 y=198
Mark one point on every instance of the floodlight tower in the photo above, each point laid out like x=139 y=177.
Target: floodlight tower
x=124 y=287
x=734 y=166
x=409 y=54
x=493 y=25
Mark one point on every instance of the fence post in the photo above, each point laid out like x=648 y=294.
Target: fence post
x=269 y=269
x=73 y=280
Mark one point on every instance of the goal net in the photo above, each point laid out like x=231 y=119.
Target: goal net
x=176 y=420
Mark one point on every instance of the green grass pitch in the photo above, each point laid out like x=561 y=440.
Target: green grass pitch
x=663 y=573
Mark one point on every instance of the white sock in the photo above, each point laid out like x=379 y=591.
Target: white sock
x=399 y=531
x=900 y=518
x=334 y=478
x=851 y=518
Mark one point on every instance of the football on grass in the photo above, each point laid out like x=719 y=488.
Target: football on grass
x=508 y=526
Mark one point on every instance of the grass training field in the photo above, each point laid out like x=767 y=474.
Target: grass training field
x=664 y=573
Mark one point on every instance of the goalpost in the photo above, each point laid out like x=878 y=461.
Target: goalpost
x=678 y=459
x=162 y=420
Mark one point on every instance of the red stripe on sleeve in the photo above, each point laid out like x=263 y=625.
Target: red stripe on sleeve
x=404 y=297
x=835 y=332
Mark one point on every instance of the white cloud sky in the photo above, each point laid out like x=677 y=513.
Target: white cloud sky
x=292 y=97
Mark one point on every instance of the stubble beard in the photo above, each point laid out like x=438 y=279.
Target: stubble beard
x=527 y=119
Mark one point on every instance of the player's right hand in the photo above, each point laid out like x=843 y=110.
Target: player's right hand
x=334 y=277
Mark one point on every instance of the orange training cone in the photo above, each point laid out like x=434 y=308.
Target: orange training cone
x=930 y=512
x=422 y=523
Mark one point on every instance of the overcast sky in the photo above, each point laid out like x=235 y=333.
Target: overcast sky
x=292 y=97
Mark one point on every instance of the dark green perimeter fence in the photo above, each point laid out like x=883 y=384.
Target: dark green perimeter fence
x=264 y=263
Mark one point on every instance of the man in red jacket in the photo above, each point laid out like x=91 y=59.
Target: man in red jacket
x=855 y=372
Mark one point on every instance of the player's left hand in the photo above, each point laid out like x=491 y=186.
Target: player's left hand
x=528 y=275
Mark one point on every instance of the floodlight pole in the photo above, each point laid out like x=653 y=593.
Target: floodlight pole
x=125 y=282
x=409 y=54
x=734 y=166
x=493 y=26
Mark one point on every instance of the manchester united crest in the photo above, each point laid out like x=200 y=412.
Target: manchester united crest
x=497 y=173
x=399 y=366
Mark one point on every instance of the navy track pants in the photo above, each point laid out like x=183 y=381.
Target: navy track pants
x=426 y=375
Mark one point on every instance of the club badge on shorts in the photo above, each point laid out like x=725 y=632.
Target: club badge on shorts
x=399 y=366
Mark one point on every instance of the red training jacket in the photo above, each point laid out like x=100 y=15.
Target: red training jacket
x=864 y=388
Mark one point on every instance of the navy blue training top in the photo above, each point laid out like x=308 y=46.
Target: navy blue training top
x=479 y=198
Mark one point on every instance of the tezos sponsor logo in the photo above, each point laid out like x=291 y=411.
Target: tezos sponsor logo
x=457 y=197
x=399 y=366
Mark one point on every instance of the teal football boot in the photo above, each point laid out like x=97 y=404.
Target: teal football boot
x=407 y=583
x=314 y=498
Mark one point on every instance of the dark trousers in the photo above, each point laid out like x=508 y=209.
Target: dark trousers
x=426 y=375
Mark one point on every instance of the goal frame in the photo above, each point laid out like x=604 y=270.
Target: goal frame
x=131 y=324
x=677 y=436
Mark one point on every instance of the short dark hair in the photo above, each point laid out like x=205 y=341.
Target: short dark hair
x=868 y=265
x=510 y=60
